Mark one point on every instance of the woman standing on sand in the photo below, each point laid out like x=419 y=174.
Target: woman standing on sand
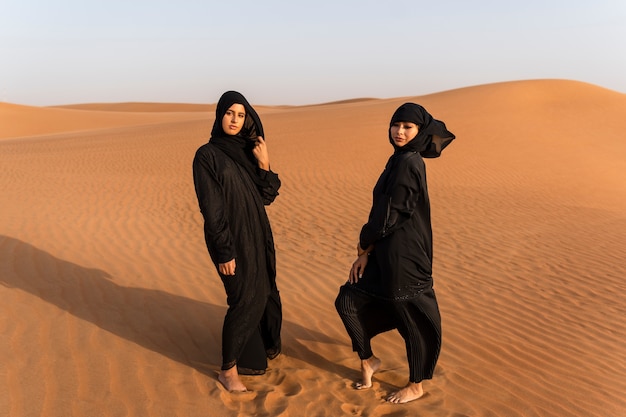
x=233 y=183
x=390 y=284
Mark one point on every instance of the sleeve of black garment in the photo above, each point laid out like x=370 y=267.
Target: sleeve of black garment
x=210 y=198
x=269 y=192
x=393 y=208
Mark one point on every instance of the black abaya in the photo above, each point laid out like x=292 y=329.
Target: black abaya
x=396 y=288
x=232 y=193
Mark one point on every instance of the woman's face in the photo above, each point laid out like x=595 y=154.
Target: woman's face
x=233 y=119
x=403 y=132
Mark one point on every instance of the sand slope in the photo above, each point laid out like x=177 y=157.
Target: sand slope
x=21 y=121
x=110 y=306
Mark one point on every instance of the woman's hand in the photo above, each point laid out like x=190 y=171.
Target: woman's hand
x=260 y=153
x=356 y=272
x=228 y=268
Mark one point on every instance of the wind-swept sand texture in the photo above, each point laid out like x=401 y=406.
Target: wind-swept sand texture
x=110 y=306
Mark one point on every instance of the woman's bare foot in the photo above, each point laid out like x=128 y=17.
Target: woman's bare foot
x=411 y=392
x=368 y=367
x=231 y=381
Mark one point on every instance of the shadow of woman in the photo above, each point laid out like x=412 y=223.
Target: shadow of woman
x=177 y=327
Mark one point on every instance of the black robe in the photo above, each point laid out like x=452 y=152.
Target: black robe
x=396 y=287
x=400 y=266
x=232 y=199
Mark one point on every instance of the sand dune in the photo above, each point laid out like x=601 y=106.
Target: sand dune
x=21 y=121
x=141 y=107
x=111 y=306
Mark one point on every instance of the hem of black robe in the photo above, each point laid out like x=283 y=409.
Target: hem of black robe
x=229 y=365
x=250 y=372
x=273 y=353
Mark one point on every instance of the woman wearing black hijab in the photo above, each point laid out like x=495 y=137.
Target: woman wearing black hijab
x=390 y=284
x=233 y=183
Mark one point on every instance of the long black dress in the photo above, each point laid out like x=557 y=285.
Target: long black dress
x=396 y=288
x=232 y=193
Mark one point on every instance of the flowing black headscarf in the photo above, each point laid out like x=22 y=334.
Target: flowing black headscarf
x=239 y=147
x=432 y=137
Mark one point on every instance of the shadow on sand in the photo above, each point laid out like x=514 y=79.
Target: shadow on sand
x=177 y=327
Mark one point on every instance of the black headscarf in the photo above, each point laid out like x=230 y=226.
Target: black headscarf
x=239 y=147
x=432 y=137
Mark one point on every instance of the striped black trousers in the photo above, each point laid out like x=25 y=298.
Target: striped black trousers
x=365 y=316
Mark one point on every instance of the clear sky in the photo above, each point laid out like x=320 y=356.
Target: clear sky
x=298 y=52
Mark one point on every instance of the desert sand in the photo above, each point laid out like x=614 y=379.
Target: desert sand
x=111 y=307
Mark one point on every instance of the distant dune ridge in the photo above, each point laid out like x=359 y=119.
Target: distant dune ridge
x=111 y=307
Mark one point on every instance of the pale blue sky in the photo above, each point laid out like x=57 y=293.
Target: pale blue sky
x=290 y=52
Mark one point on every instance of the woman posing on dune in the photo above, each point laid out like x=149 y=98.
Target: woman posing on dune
x=233 y=183
x=390 y=284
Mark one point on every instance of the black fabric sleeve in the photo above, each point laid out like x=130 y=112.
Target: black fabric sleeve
x=394 y=207
x=269 y=192
x=211 y=200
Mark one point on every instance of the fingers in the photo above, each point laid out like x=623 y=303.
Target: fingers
x=261 y=154
x=260 y=143
x=228 y=268
x=352 y=277
x=355 y=273
x=260 y=148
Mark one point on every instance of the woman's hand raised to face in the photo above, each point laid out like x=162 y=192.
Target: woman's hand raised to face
x=261 y=154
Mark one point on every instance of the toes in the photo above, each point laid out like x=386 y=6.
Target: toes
x=360 y=386
x=393 y=399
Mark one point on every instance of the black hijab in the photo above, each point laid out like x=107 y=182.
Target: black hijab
x=239 y=147
x=432 y=137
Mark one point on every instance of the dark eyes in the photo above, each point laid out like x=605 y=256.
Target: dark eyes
x=239 y=115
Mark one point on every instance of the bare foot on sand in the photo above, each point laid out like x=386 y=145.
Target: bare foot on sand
x=231 y=381
x=411 y=392
x=368 y=368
